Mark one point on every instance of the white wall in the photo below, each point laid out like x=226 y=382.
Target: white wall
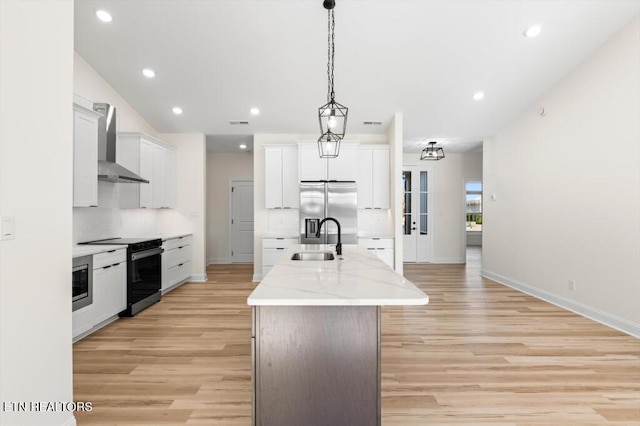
x=36 y=134
x=189 y=215
x=395 y=136
x=90 y=85
x=567 y=190
x=221 y=169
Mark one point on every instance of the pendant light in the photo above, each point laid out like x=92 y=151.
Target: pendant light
x=332 y=115
x=432 y=152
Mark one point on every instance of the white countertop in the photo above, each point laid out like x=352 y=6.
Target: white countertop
x=86 y=250
x=170 y=236
x=356 y=278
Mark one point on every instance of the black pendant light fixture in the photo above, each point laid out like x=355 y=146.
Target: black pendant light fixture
x=332 y=115
x=432 y=152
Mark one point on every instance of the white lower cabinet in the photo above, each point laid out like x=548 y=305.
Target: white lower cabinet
x=176 y=262
x=82 y=320
x=383 y=248
x=109 y=281
x=272 y=251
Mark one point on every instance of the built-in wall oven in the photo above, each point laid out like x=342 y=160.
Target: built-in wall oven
x=144 y=271
x=82 y=282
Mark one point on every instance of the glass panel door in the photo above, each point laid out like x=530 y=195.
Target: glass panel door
x=415 y=214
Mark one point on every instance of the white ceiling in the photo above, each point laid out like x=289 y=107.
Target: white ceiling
x=217 y=59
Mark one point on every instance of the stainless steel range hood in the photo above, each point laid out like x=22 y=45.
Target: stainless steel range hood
x=108 y=169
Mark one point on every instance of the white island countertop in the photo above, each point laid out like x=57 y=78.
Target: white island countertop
x=356 y=278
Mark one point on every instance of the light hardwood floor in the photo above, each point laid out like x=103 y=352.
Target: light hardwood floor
x=479 y=353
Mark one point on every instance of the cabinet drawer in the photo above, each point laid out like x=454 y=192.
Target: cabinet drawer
x=110 y=257
x=376 y=242
x=178 y=255
x=272 y=256
x=177 y=242
x=278 y=242
x=179 y=273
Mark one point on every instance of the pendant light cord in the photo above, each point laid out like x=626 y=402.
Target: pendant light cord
x=331 y=26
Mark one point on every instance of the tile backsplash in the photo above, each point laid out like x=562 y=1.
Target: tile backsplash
x=95 y=223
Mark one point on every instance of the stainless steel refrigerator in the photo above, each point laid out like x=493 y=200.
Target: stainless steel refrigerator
x=337 y=199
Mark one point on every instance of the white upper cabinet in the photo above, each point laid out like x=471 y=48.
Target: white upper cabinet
x=85 y=157
x=282 y=185
x=170 y=183
x=311 y=166
x=343 y=167
x=158 y=177
x=373 y=177
x=154 y=162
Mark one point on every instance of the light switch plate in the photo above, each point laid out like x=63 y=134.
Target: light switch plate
x=7 y=228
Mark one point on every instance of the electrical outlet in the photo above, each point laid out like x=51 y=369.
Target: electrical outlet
x=572 y=285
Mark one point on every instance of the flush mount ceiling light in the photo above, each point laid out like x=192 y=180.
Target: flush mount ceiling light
x=177 y=110
x=533 y=31
x=242 y=146
x=332 y=115
x=432 y=152
x=149 y=73
x=478 y=95
x=104 y=16
x=254 y=111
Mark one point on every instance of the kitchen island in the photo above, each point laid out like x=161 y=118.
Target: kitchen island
x=316 y=337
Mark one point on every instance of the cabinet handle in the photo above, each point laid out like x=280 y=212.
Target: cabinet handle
x=180 y=247
x=115 y=264
x=180 y=238
x=367 y=208
x=279 y=238
x=286 y=207
x=111 y=251
x=380 y=249
x=371 y=249
x=179 y=265
x=279 y=248
x=107 y=267
x=375 y=238
x=377 y=208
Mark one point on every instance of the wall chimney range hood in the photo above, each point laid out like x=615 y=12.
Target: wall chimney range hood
x=108 y=169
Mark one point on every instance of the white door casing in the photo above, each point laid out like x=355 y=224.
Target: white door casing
x=241 y=226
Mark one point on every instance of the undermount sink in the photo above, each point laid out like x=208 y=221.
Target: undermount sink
x=313 y=255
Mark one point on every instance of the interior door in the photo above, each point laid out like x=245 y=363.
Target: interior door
x=416 y=217
x=241 y=222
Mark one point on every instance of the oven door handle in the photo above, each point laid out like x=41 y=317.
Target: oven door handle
x=147 y=253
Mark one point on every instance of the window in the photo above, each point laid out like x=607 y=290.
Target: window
x=474 y=206
x=406 y=202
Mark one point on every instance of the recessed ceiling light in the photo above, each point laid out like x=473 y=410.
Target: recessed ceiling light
x=478 y=95
x=243 y=146
x=104 y=16
x=148 y=72
x=177 y=110
x=533 y=31
x=254 y=111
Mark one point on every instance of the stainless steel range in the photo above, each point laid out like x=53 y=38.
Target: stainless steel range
x=144 y=271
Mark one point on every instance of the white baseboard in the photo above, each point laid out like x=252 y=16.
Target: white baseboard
x=597 y=315
x=448 y=260
x=257 y=278
x=176 y=285
x=198 y=278
x=218 y=260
